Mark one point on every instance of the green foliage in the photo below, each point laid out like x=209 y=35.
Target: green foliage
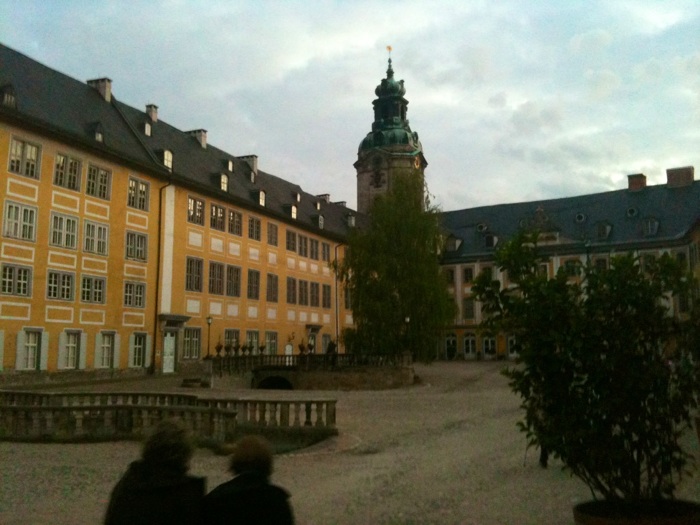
x=392 y=272
x=606 y=375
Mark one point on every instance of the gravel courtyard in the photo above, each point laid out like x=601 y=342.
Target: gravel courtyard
x=446 y=451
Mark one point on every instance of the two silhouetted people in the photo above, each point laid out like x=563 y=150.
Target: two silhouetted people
x=157 y=489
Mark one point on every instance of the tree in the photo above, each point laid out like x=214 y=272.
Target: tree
x=391 y=270
x=606 y=374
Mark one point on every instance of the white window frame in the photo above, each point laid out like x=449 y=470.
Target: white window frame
x=194 y=274
x=24 y=158
x=136 y=246
x=93 y=289
x=138 y=194
x=192 y=343
x=67 y=172
x=16 y=280
x=254 y=227
x=271 y=342
x=60 y=285
x=95 y=238
x=195 y=210
x=139 y=350
x=71 y=349
x=134 y=294
x=107 y=350
x=99 y=182
x=64 y=231
x=20 y=221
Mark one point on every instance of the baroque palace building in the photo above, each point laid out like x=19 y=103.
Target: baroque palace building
x=645 y=220
x=129 y=245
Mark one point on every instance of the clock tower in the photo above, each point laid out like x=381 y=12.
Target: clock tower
x=391 y=149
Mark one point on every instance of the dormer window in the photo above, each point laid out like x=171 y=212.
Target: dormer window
x=223 y=182
x=293 y=211
x=9 y=100
x=453 y=244
x=318 y=205
x=261 y=198
x=297 y=197
x=168 y=159
x=320 y=221
x=230 y=165
x=603 y=230
x=351 y=220
x=252 y=176
x=490 y=241
x=147 y=129
x=99 y=134
x=650 y=227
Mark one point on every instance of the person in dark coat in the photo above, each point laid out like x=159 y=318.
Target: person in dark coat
x=249 y=498
x=156 y=490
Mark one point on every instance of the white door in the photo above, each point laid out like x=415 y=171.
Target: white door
x=169 y=352
x=289 y=350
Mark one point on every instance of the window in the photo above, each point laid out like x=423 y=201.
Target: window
x=20 y=221
x=572 y=267
x=326 y=251
x=106 y=345
x=326 y=296
x=272 y=234
x=134 y=295
x=231 y=337
x=60 y=285
x=489 y=344
x=650 y=227
x=513 y=348
x=235 y=222
x=64 y=231
x=67 y=172
x=168 y=159
x=252 y=338
x=92 y=289
x=195 y=211
x=233 y=281
x=138 y=194
x=30 y=357
x=314 y=294
x=192 y=343
x=321 y=221
x=16 y=280
x=223 y=182
x=303 y=292
x=291 y=290
x=449 y=274
x=193 y=274
x=469 y=345
x=488 y=271
x=261 y=198
x=272 y=287
x=293 y=211
x=254 y=228
x=468 y=309
x=468 y=274
x=218 y=218
x=291 y=241
x=216 y=278
x=24 y=158
x=253 y=284
x=303 y=246
x=138 y=350
x=98 y=182
x=96 y=238
x=136 y=246
x=313 y=249
x=271 y=342
x=70 y=353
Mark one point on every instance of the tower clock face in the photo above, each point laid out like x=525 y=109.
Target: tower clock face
x=416 y=162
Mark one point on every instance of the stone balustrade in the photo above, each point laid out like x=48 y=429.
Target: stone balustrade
x=113 y=416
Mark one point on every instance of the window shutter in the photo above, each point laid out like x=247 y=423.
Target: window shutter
x=149 y=342
x=44 y=358
x=131 y=350
x=83 y=351
x=61 y=350
x=117 y=346
x=98 y=351
x=21 y=352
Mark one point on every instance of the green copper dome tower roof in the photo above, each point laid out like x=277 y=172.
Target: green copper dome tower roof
x=390 y=126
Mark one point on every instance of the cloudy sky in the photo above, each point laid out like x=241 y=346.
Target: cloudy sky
x=513 y=100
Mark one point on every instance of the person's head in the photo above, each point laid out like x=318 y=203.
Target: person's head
x=169 y=445
x=252 y=454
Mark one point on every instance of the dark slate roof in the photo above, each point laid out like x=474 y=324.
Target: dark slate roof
x=580 y=222
x=53 y=102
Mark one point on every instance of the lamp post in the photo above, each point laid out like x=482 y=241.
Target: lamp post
x=209 y=321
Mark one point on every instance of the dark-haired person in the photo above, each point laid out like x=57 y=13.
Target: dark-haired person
x=156 y=490
x=249 y=498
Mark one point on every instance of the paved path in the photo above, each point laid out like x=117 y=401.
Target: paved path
x=444 y=452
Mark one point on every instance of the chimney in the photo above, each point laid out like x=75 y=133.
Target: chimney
x=104 y=86
x=325 y=197
x=152 y=112
x=252 y=161
x=636 y=182
x=680 y=177
x=200 y=135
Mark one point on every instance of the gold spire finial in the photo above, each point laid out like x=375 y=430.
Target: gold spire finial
x=388 y=48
